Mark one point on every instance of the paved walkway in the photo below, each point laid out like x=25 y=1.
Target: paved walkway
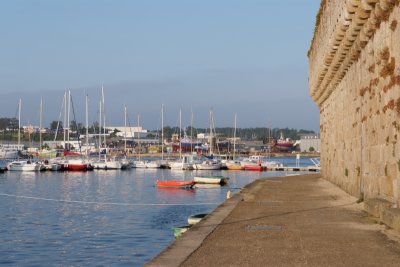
x=287 y=221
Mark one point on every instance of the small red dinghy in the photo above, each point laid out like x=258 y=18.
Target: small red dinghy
x=253 y=168
x=175 y=183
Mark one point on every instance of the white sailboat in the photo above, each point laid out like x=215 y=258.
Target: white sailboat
x=9 y=151
x=234 y=164
x=144 y=163
x=184 y=162
x=105 y=163
x=209 y=164
x=23 y=165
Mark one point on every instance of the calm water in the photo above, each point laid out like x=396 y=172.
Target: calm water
x=100 y=218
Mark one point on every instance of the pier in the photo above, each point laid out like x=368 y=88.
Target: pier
x=286 y=221
x=295 y=169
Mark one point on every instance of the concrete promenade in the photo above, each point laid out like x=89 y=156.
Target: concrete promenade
x=286 y=221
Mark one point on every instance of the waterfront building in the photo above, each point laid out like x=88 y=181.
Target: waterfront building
x=310 y=143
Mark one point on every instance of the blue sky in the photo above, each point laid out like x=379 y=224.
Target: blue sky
x=234 y=56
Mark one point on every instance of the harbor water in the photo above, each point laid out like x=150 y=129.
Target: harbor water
x=101 y=218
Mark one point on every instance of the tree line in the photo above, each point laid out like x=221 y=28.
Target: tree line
x=257 y=133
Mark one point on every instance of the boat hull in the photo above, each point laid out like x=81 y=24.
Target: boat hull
x=194 y=219
x=175 y=184
x=178 y=231
x=235 y=167
x=253 y=168
x=210 y=179
x=75 y=167
x=24 y=166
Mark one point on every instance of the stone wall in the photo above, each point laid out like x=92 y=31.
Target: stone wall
x=355 y=80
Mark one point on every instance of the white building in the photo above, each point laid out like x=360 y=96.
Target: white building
x=308 y=141
x=129 y=132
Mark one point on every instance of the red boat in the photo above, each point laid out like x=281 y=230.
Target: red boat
x=175 y=183
x=76 y=165
x=253 y=168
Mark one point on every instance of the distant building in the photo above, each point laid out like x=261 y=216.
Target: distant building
x=309 y=141
x=130 y=132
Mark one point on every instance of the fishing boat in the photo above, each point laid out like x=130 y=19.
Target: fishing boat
x=253 y=168
x=209 y=179
x=175 y=183
x=193 y=219
x=284 y=144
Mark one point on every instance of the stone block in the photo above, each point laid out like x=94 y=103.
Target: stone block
x=391 y=217
x=376 y=206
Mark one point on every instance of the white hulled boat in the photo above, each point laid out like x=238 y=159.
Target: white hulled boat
x=208 y=165
x=25 y=165
x=184 y=163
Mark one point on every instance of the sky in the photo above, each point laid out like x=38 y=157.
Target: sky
x=232 y=56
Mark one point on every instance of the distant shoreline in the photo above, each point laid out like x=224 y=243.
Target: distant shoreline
x=272 y=155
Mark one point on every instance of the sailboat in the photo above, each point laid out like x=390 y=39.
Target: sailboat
x=210 y=163
x=144 y=163
x=185 y=162
x=23 y=165
x=126 y=164
x=105 y=163
x=234 y=164
x=73 y=161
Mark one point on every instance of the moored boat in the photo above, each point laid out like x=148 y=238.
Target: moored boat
x=110 y=163
x=178 y=231
x=253 y=168
x=233 y=165
x=208 y=165
x=209 y=179
x=175 y=183
x=9 y=151
x=153 y=164
x=196 y=218
x=24 y=165
x=184 y=163
x=76 y=165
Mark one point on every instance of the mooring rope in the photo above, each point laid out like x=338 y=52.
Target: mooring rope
x=109 y=203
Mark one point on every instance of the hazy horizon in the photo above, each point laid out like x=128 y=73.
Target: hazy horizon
x=235 y=56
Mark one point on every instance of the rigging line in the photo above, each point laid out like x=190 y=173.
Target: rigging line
x=109 y=203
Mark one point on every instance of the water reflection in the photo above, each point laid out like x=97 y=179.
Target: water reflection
x=100 y=217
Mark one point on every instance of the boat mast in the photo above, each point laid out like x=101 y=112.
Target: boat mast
x=138 y=129
x=65 y=119
x=68 y=117
x=104 y=118
x=162 y=131
x=211 y=137
x=87 y=125
x=125 y=117
x=234 y=139
x=191 y=131
x=40 y=124
x=19 y=122
x=100 y=140
x=180 y=132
